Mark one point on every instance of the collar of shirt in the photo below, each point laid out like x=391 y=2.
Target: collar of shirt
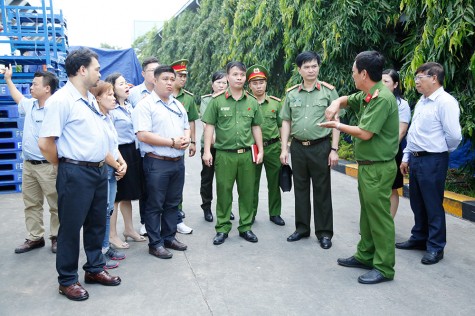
x=228 y=94
x=315 y=85
x=434 y=95
x=266 y=99
x=157 y=99
x=143 y=88
x=91 y=100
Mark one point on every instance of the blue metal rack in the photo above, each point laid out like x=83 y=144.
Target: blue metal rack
x=37 y=37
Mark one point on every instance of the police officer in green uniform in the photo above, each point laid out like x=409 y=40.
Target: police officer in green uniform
x=186 y=98
x=376 y=145
x=311 y=150
x=235 y=117
x=270 y=108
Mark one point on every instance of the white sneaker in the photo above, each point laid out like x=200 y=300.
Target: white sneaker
x=143 y=231
x=183 y=229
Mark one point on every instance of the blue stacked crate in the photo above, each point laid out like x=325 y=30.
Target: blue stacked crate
x=38 y=40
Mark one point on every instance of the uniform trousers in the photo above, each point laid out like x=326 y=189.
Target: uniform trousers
x=164 y=181
x=426 y=188
x=38 y=182
x=82 y=202
x=272 y=165
x=206 y=188
x=311 y=163
x=233 y=167
x=376 y=247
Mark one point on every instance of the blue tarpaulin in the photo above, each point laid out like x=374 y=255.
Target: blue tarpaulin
x=124 y=61
x=463 y=155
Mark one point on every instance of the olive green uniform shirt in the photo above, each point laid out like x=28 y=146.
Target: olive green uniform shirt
x=271 y=123
x=305 y=109
x=377 y=113
x=233 y=120
x=186 y=98
x=205 y=99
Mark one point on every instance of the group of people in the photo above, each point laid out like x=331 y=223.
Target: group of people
x=98 y=145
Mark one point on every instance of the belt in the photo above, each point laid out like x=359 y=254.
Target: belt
x=270 y=142
x=311 y=142
x=152 y=155
x=237 y=151
x=424 y=153
x=83 y=163
x=37 y=162
x=371 y=162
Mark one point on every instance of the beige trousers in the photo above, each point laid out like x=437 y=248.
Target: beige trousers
x=39 y=181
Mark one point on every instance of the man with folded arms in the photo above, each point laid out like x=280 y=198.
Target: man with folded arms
x=162 y=127
x=38 y=176
x=376 y=144
x=74 y=138
x=435 y=131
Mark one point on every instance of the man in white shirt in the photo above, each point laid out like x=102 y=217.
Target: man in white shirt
x=435 y=131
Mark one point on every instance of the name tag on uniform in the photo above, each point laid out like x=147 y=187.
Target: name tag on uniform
x=225 y=108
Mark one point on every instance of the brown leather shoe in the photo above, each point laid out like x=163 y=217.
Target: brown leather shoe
x=54 y=244
x=74 y=292
x=160 y=252
x=103 y=278
x=175 y=245
x=30 y=245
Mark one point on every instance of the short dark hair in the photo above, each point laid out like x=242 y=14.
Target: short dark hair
x=218 y=75
x=433 y=69
x=307 y=56
x=161 y=69
x=372 y=62
x=78 y=58
x=49 y=79
x=149 y=60
x=395 y=78
x=237 y=64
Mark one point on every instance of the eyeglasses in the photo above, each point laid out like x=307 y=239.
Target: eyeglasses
x=150 y=70
x=417 y=78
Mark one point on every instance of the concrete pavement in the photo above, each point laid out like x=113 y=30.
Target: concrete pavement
x=271 y=277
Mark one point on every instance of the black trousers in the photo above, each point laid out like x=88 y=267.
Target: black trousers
x=82 y=203
x=311 y=163
x=207 y=176
x=164 y=181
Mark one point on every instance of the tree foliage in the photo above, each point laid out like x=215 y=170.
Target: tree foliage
x=272 y=33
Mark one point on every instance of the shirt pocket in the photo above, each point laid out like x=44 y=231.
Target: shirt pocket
x=317 y=109
x=225 y=116
x=247 y=117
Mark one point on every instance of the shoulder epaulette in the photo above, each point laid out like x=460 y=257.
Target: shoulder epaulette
x=206 y=95
x=275 y=98
x=292 y=88
x=186 y=91
x=218 y=94
x=326 y=84
x=250 y=94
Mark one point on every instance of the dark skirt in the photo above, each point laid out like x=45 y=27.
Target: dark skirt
x=130 y=186
x=398 y=181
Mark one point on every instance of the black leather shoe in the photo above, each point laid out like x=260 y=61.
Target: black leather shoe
x=231 y=217
x=248 y=235
x=219 y=238
x=208 y=215
x=182 y=214
x=277 y=220
x=432 y=257
x=175 y=245
x=160 y=252
x=325 y=242
x=410 y=244
x=372 y=277
x=297 y=236
x=351 y=262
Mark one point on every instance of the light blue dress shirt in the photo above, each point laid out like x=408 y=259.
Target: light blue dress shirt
x=137 y=93
x=435 y=125
x=112 y=137
x=122 y=119
x=33 y=114
x=404 y=111
x=152 y=115
x=81 y=132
